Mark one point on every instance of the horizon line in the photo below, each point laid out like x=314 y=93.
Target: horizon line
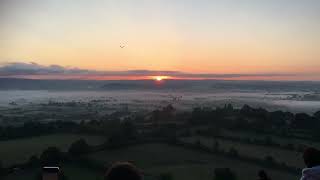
x=33 y=70
x=171 y=79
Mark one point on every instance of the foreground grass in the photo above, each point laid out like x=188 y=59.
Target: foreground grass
x=20 y=150
x=81 y=173
x=72 y=172
x=183 y=163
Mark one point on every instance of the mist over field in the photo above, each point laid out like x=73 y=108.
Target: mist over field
x=178 y=128
x=184 y=94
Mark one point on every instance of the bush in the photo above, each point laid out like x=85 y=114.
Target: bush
x=290 y=146
x=51 y=156
x=33 y=161
x=269 y=160
x=198 y=143
x=233 y=152
x=216 y=146
x=166 y=176
x=1 y=169
x=224 y=174
x=79 y=147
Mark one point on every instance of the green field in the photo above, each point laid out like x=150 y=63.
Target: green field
x=185 y=164
x=155 y=159
x=20 y=150
x=291 y=158
x=276 y=139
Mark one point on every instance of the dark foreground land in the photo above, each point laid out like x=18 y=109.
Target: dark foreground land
x=165 y=143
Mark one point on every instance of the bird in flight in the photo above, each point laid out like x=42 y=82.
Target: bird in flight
x=121 y=46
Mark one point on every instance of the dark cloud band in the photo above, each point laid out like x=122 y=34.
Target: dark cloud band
x=27 y=69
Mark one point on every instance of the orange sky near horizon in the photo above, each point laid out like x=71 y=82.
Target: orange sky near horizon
x=220 y=37
x=305 y=77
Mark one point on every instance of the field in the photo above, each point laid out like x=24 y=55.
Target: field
x=291 y=158
x=184 y=164
x=20 y=150
x=72 y=171
x=277 y=139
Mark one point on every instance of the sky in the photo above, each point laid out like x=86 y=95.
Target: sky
x=203 y=39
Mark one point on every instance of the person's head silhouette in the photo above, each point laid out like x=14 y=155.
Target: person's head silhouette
x=263 y=175
x=311 y=157
x=123 y=171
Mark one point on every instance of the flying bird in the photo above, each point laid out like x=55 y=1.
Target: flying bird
x=122 y=46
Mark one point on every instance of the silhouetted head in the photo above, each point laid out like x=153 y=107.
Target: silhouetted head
x=123 y=171
x=311 y=157
x=263 y=175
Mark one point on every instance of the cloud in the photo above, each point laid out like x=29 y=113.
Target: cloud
x=20 y=69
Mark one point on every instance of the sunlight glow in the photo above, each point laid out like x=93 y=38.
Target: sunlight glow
x=159 y=78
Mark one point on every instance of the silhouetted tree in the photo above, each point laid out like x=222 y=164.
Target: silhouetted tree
x=224 y=174
x=233 y=152
x=129 y=130
x=317 y=115
x=303 y=121
x=241 y=123
x=269 y=160
x=34 y=128
x=166 y=176
x=34 y=161
x=198 y=143
x=290 y=146
x=1 y=169
x=79 y=147
x=278 y=118
x=51 y=156
x=216 y=146
x=246 y=110
x=268 y=141
x=202 y=115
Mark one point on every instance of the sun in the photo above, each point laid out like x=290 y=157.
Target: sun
x=159 y=78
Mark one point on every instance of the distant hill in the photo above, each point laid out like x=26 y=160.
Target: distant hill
x=186 y=85
x=30 y=84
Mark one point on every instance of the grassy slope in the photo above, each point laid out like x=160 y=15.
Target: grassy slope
x=71 y=171
x=20 y=150
x=183 y=163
